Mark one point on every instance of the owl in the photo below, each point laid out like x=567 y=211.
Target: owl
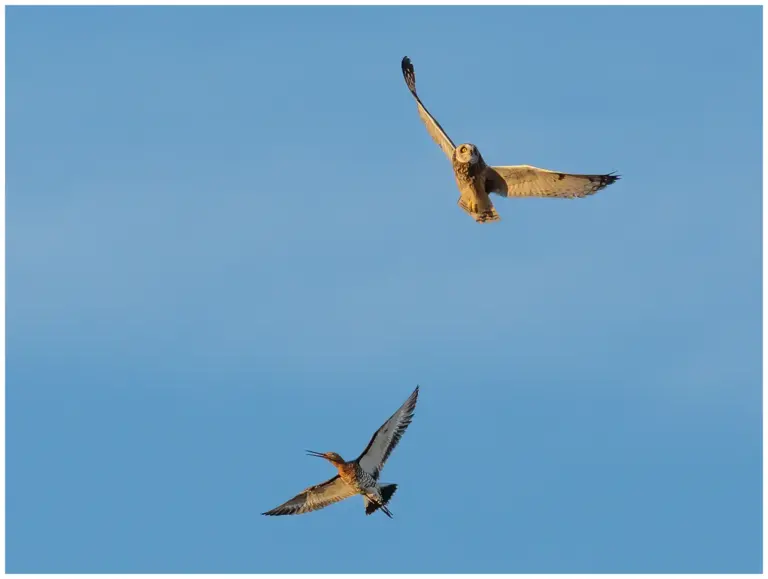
x=476 y=180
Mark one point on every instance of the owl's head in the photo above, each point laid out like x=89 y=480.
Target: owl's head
x=467 y=153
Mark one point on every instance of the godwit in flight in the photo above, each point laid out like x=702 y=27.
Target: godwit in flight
x=359 y=476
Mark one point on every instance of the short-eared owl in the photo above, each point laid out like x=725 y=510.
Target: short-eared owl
x=476 y=179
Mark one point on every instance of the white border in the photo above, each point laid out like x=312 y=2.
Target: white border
x=338 y=3
x=394 y=3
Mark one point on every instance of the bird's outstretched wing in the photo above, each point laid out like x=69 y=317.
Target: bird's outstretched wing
x=386 y=438
x=433 y=127
x=315 y=498
x=527 y=181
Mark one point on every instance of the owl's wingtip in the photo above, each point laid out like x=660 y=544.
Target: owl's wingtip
x=408 y=74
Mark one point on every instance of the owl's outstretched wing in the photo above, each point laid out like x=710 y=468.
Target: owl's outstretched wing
x=433 y=127
x=527 y=181
x=315 y=498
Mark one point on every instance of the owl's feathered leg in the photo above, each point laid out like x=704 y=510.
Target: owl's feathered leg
x=485 y=215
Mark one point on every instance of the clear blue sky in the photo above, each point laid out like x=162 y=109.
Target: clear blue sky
x=230 y=239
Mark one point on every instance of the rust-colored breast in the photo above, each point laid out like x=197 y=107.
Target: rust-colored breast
x=347 y=473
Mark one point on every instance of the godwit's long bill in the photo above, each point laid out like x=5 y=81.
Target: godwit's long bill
x=359 y=476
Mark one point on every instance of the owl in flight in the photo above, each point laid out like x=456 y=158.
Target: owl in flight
x=476 y=179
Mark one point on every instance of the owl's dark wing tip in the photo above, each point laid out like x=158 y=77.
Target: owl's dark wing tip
x=408 y=74
x=602 y=181
x=276 y=512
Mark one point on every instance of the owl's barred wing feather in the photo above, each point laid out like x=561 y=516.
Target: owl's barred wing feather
x=527 y=181
x=433 y=127
x=315 y=498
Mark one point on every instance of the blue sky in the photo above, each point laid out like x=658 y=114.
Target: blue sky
x=229 y=238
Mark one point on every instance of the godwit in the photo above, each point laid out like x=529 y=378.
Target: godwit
x=359 y=476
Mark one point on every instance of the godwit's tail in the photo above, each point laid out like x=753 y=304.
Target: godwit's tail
x=386 y=493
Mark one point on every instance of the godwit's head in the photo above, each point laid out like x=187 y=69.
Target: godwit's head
x=329 y=456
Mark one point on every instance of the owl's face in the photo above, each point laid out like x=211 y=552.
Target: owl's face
x=467 y=153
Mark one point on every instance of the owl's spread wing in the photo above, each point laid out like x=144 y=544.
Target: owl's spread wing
x=433 y=127
x=527 y=181
x=315 y=498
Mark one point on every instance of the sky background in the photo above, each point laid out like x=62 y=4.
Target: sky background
x=230 y=239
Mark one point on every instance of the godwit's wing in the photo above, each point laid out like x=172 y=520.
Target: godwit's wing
x=386 y=438
x=527 y=181
x=433 y=127
x=315 y=498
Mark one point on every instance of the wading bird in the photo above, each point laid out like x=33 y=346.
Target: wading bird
x=476 y=179
x=359 y=476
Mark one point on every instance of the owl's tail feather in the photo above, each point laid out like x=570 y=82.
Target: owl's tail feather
x=481 y=216
x=487 y=216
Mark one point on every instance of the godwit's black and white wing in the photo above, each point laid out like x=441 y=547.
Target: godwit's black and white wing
x=315 y=498
x=386 y=438
x=433 y=127
x=527 y=181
